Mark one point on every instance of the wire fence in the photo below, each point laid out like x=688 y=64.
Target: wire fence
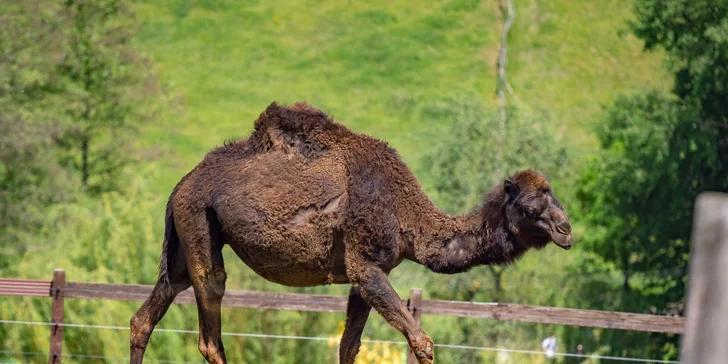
x=86 y=356
x=58 y=290
x=295 y=337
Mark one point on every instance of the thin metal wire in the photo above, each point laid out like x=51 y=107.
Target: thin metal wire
x=145 y=295
x=466 y=347
x=88 y=356
x=182 y=331
x=22 y=352
x=319 y=338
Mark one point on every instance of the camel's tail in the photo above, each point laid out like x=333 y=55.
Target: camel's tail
x=170 y=250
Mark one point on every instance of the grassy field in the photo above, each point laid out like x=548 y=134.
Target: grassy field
x=573 y=57
x=375 y=65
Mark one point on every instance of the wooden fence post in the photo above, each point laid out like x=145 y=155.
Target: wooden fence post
x=704 y=341
x=413 y=304
x=57 y=293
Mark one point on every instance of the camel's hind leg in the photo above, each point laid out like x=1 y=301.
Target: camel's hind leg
x=202 y=244
x=357 y=312
x=154 y=308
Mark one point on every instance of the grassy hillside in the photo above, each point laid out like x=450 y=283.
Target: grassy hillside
x=374 y=65
x=573 y=57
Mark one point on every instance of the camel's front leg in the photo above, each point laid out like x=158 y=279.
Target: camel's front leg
x=357 y=312
x=378 y=292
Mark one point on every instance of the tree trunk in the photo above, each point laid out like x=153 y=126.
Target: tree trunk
x=497 y=282
x=625 y=285
x=497 y=273
x=85 y=139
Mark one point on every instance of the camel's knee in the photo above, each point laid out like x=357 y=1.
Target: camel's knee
x=140 y=331
x=135 y=324
x=215 y=282
x=219 y=277
x=202 y=346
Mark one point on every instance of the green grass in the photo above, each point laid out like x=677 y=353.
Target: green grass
x=366 y=64
x=573 y=57
x=374 y=65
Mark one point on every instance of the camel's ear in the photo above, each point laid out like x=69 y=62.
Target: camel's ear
x=512 y=189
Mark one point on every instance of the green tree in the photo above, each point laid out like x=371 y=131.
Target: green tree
x=71 y=91
x=30 y=175
x=630 y=183
x=636 y=206
x=694 y=34
x=105 y=82
x=658 y=153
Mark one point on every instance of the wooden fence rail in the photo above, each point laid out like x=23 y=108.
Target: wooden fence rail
x=58 y=289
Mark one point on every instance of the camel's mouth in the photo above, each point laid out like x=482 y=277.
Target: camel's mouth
x=564 y=241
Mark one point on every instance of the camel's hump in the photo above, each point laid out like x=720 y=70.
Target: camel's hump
x=300 y=127
x=301 y=118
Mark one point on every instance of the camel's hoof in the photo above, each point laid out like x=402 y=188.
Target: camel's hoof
x=425 y=356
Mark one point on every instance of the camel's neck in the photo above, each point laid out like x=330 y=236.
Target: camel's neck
x=453 y=244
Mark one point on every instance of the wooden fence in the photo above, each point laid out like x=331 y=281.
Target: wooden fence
x=58 y=290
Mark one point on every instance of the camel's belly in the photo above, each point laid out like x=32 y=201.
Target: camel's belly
x=302 y=249
x=312 y=258
x=280 y=215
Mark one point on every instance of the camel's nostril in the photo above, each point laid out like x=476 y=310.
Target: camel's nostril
x=564 y=227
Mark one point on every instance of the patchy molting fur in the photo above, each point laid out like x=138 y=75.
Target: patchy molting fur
x=304 y=201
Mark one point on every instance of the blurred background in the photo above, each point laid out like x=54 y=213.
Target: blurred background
x=106 y=104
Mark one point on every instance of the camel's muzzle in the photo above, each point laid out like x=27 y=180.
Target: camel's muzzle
x=565 y=241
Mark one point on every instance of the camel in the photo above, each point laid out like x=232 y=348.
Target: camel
x=305 y=201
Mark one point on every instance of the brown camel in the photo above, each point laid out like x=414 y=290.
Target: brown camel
x=304 y=201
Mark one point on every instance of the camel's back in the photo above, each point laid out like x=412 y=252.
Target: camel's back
x=299 y=155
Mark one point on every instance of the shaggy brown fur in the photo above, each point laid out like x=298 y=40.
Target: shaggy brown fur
x=304 y=201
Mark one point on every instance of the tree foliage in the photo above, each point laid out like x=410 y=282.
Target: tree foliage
x=74 y=77
x=634 y=194
x=31 y=177
x=658 y=153
x=104 y=81
x=694 y=33
x=464 y=164
x=71 y=89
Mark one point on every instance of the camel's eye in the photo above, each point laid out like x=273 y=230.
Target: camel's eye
x=531 y=212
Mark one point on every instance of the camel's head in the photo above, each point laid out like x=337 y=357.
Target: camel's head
x=533 y=213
